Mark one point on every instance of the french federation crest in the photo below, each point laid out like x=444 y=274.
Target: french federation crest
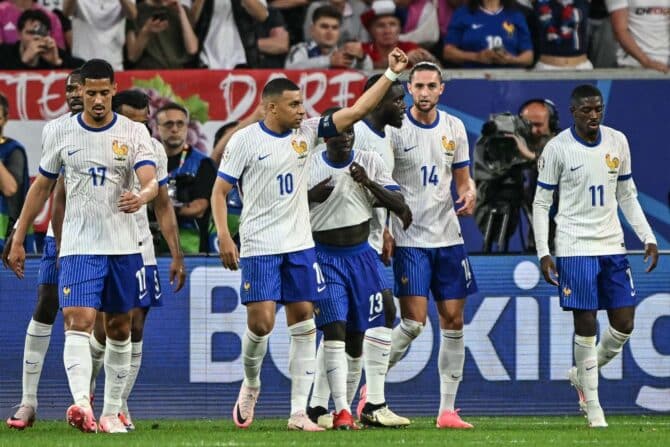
x=120 y=151
x=300 y=148
x=612 y=163
x=449 y=146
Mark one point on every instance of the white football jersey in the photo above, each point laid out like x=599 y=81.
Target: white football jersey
x=368 y=139
x=146 y=239
x=99 y=166
x=272 y=171
x=349 y=203
x=586 y=175
x=424 y=158
x=50 y=229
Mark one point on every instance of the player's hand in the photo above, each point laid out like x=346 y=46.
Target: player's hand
x=398 y=60
x=5 y=249
x=230 y=257
x=321 y=191
x=129 y=202
x=549 y=270
x=17 y=259
x=178 y=272
x=406 y=217
x=651 y=251
x=468 y=199
x=388 y=247
x=358 y=174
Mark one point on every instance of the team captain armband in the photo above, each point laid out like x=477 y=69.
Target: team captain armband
x=327 y=127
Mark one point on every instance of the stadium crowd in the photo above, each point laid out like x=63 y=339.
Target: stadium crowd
x=222 y=34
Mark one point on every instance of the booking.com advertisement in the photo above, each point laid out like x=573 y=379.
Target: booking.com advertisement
x=518 y=349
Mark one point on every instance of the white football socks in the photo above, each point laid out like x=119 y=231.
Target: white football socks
x=321 y=389
x=354 y=371
x=376 y=350
x=301 y=362
x=135 y=364
x=38 y=336
x=611 y=344
x=254 y=348
x=450 y=366
x=586 y=360
x=97 y=360
x=403 y=335
x=117 y=370
x=336 y=372
x=77 y=361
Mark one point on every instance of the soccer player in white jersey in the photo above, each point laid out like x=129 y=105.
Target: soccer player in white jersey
x=277 y=258
x=345 y=185
x=430 y=255
x=134 y=104
x=38 y=334
x=100 y=259
x=590 y=165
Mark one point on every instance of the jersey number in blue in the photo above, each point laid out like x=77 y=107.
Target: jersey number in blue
x=429 y=178
x=597 y=192
x=98 y=175
x=285 y=183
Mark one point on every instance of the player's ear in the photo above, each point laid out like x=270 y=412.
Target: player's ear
x=114 y=88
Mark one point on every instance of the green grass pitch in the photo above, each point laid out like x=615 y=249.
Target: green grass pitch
x=629 y=431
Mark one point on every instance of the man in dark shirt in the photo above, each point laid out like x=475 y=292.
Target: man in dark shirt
x=191 y=176
x=35 y=48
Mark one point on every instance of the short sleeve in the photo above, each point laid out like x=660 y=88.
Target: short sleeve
x=161 y=162
x=549 y=167
x=614 y=5
x=462 y=150
x=456 y=28
x=235 y=159
x=51 y=161
x=524 y=42
x=382 y=175
x=625 y=171
x=144 y=148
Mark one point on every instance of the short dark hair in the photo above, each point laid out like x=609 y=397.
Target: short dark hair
x=172 y=106
x=584 y=91
x=4 y=105
x=76 y=73
x=134 y=98
x=326 y=11
x=425 y=66
x=36 y=15
x=372 y=80
x=97 y=69
x=221 y=131
x=278 y=86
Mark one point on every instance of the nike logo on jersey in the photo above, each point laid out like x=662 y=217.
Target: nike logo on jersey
x=321 y=289
x=407 y=149
x=70 y=153
x=374 y=318
x=575 y=168
x=263 y=157
x=477 y=25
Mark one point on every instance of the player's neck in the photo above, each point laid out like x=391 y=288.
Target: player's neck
x=90 y=122
x=428 y=117
x=589 y=138
x=375 y=122
x=337 y=156
x=274 y=126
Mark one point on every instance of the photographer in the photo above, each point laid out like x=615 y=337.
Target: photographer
x=505 y=169
x=35 y=49
x=191 y=176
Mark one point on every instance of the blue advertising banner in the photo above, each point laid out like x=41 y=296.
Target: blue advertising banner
x=518 y=349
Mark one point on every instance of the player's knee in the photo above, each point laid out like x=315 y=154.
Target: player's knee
x=334 y=331
x=261 y=328
x=354 y=344
x=117 y=326
x=454 y=323
x=625 y=326
x=411 y=327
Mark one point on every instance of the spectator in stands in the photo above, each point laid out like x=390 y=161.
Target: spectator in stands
x=273 y=41
x=161 y=36
x=36 y=49
x=420 y=21
x=11 y=10
x=191 y=175
x=226 y=30
x=56 y=6
x=351 y=29
x=384 y=26
x=488 y=33
x=601 y=41
x=322 y=51
x=14 y=180
x=293 y=12
x=562 y=41
x=642 y=28
x=99 y=28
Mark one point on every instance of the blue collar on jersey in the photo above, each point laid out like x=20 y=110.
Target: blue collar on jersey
x=338 y=165
x=81 y=122
x=584 y=142
x=421 y=125
x=272 y=133
x=381 y=134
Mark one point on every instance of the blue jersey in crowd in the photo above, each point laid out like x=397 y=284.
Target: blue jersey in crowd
x=479 y=30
